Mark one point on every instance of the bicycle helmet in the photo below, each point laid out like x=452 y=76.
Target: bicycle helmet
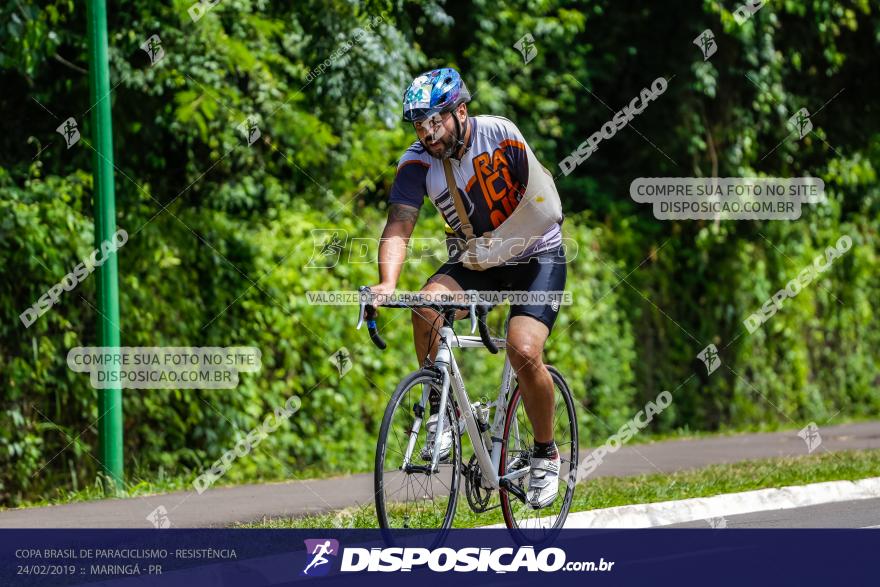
x=438 y=90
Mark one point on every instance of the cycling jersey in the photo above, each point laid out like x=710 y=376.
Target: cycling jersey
x=491 y=177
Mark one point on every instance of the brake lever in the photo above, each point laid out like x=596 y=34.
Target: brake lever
x=363 y=293
x=473 y=310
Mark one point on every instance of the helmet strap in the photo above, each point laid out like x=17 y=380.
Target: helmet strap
x=459 y=140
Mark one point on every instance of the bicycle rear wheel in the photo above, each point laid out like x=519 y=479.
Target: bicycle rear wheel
x=529 y=526
x=411 y=497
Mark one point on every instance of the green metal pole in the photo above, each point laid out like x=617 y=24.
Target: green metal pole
x=109 y=400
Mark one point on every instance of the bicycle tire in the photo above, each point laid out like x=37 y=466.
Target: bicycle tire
x=570 y=456
x=388 y=511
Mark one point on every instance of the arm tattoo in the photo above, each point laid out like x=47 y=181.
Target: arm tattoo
x=403 y=213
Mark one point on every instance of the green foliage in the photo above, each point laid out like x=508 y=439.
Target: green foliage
x=221 y=233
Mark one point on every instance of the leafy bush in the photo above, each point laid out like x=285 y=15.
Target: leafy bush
x=221 y=233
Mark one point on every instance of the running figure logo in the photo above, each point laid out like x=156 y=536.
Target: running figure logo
x=154 y=50
x=333 y=247
x=318 y=550
x=710 y=358
x=341 y=359
x=810 y=435
x=69 y=131
x=526 y=46
x=706 y=43
x=329 y=244
x=250 y=130
x=801 y=122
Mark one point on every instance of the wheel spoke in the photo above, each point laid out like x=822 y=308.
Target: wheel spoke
x=534 y=526
x=416 y=500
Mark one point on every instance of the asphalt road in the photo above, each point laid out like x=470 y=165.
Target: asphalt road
x=863 y=513
x=226 y=505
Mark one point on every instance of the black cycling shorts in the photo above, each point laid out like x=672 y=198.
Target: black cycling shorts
x=543 y=272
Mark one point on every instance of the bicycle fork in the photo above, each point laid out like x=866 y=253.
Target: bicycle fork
x=442 y=362
x=424 y=403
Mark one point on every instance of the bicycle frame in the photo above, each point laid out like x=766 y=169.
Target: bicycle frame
x=451 y=378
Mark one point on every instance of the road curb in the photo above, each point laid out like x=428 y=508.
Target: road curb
x=664 y=513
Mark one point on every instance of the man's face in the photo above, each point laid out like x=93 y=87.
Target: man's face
x=437 y=134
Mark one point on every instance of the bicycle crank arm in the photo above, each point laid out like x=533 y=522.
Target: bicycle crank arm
x=508 y=486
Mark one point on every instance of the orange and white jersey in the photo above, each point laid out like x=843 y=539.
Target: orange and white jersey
x=491 y=177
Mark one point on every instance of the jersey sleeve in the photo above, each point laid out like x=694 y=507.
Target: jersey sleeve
x=409 y=185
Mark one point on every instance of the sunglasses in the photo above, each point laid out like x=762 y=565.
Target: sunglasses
x=432 y=123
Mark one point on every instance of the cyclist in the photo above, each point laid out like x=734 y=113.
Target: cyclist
x=491 y=164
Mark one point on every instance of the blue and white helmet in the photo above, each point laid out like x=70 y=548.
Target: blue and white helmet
x=438 y=90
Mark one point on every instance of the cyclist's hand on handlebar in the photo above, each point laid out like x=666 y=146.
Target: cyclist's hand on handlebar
x=381 y=293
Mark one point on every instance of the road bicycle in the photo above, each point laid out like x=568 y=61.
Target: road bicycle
x=415 y=487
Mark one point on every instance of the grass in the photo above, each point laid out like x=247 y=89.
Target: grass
x=146 y=483
x=606 y=492
x=136 y=486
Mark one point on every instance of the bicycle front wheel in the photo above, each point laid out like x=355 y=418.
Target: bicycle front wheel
x=409 y=496
x=529 y=526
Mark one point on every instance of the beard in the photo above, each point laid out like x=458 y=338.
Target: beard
x=443 y=148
